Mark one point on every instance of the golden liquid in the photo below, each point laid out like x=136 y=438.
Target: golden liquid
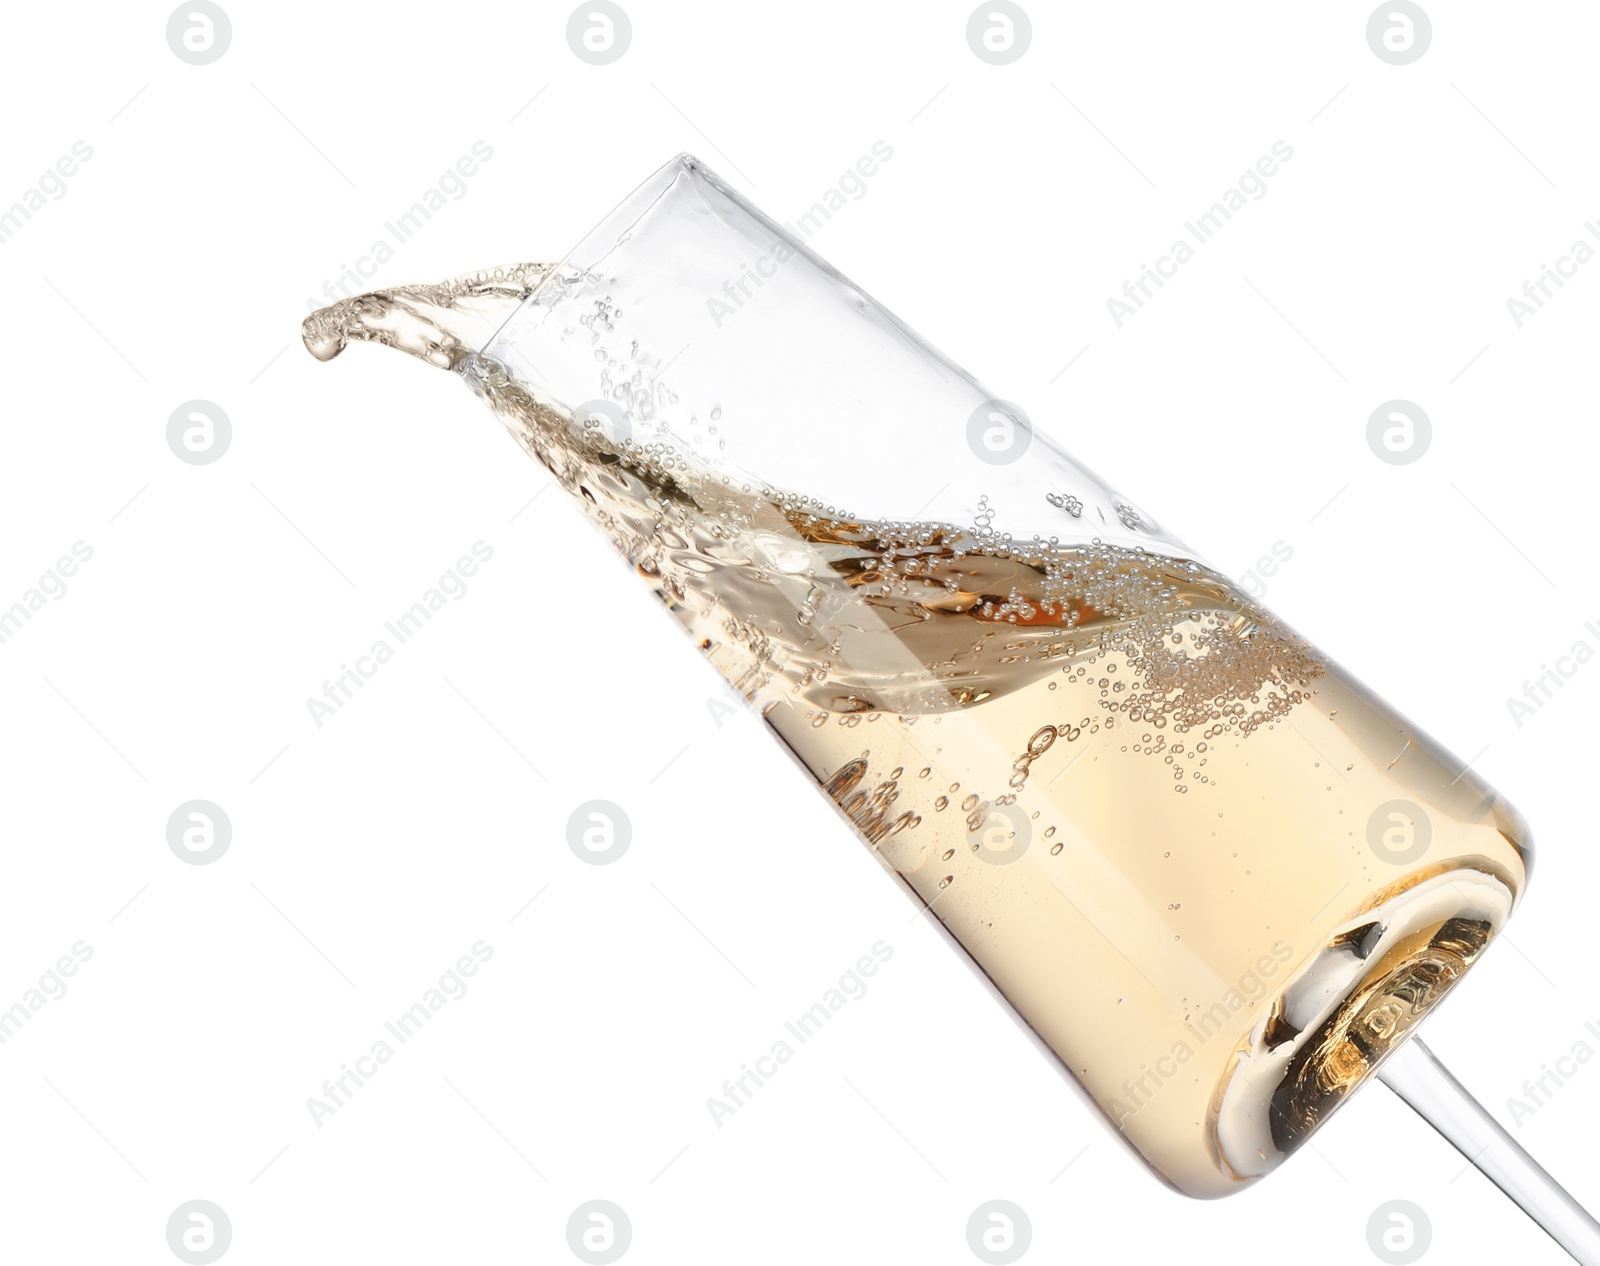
x=1143 y=806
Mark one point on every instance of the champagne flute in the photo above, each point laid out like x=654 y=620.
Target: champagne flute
x=1219 y=879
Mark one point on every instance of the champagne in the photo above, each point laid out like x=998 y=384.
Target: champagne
x=1217 y=877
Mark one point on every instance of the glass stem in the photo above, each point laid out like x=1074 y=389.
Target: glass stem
x=1415 y=1074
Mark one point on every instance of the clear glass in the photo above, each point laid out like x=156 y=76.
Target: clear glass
x=1216 y=876
x=1218 y=879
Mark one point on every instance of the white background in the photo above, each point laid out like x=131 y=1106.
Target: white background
x=369 y=854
